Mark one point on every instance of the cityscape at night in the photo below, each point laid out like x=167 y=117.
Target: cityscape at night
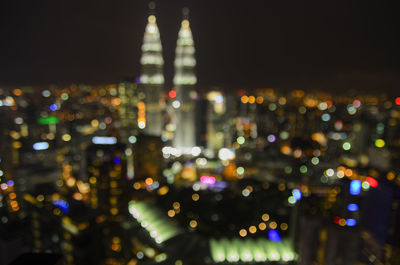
x=193 y=132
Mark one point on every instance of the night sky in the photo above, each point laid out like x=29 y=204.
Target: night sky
x=336 y=44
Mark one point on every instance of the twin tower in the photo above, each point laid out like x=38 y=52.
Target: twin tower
x=174 y=121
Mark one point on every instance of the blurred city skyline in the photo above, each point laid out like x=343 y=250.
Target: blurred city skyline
x=262 y=133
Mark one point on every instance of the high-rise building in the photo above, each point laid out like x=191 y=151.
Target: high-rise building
x=109 y=191
x=106 y=168
x=219 y=119
x=147 y=157
x=151 y=79
x=127 y=91
x=184 y=81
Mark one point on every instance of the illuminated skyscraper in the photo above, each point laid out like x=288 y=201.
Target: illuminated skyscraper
x=108 y=192
x=127 y=92
x=184 y=81
x=152 y=78
x=106 y=168
x=216 y=120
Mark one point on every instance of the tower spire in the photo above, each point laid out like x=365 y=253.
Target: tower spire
x=185 y=61
x=185 y=13
x=152 y=76
x=152 y=6
x=184 y=81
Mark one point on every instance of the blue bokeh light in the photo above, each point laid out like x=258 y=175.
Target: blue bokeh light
x=53 y=107
x=296 y=194
x=10 y=183
x=352 y=207
x=355 y=187
x=41 y=146
x=62 y=205
x=351 y=222
x=273 y=235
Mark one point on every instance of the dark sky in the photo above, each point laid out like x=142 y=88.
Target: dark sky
x=327 y=44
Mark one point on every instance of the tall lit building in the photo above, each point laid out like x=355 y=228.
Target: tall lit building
x=216 y=120
x=147 y=157
x=152 y=78
x=109 y=190
x=127 y=92
x=184 y=82
x=106 y=168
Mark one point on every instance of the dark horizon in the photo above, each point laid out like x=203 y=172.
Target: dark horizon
x=304 y=44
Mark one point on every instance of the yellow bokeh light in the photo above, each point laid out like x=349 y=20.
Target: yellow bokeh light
x=17 y=92
x=70 y=182
x=136 y=185
x=348 y=172
x=17 y=144
x=252 y=99
x=92 y=180
x=149 y=181
x=390 y=175
x=171 y=213
x=176 y=205
x=163 y=190
x=77 y=196
x=244 y=99
x=15 y=135
x=193 y=223
x=195 y=197
x=94 y=123
x=380 y=143
x=259 y=100
x=66 y=137
x=273 y=225
x=282 y=101
x=265 y=217
x=286 y=150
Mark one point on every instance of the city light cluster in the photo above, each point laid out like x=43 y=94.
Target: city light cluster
x=250 y=250
x=159 y=227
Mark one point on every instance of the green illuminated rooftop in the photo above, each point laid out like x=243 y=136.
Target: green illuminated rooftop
x=48 y=120
x=150 y=218
x=251 y=250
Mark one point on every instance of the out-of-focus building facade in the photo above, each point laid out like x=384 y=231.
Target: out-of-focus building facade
x=184 y=81
x=151 y=81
